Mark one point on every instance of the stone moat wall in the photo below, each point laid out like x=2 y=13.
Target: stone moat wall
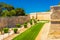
x=12 y=21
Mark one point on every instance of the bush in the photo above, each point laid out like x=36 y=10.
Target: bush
x=6 y=30
x=31 y=21
x=15 y=30
x=25 y=25
x=35 y=21
x=38 y=20
x=18 y=25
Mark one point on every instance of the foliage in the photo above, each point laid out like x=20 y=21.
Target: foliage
x=48 y=10
x=31 y=21
x=6 y=30
x=38 y=20
x=8 y=10
x=15 y=30
x=5 y=13
x=25 y=25
x=31 y=33
x=19 y=11
x=13 y=12
x=18 y=25
x=35 y=21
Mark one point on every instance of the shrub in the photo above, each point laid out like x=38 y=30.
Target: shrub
x=15 y=30
x=38 y=20
x=31 y=21
x=35 y=21
x=6 y=30
x=25 y=25
x=18 y=25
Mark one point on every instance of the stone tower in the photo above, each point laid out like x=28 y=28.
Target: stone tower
x=55 y=23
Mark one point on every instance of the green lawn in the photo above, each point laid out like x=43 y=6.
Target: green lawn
x=31 y=33
x=44 y=21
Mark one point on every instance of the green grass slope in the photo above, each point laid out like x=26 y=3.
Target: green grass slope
x=31 y=33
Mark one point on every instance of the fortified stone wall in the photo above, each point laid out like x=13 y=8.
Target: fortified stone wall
x=55 y=17
x=55 y=12
x=12 y=21
x=54 y=32
x=41 y=15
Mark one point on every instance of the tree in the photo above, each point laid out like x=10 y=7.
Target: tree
x=6 y=6
x=19 y=11
x=13 y=13
x=6 y=13
x=48 y=10
x=8 y=10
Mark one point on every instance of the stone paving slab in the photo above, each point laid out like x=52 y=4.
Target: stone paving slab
x=43 y=32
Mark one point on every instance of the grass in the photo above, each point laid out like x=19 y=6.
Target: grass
x=31 y=33
x=44 y=21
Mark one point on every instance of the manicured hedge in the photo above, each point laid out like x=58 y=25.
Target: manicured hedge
x=18 y=25
x=31 y=21
x=15 y=30
x=25 y=25
x=6 y=30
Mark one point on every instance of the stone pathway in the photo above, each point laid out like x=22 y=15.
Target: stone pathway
x=43 y=32
x=14 y=35
x=54 y=33
x=47 y=33
x=5 y=35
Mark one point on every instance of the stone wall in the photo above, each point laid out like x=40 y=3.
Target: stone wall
x=55 y=22
x=12 y=21
x=55 y=12
x=41 y=15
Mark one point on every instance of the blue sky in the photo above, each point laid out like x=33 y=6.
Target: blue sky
x=32 y=5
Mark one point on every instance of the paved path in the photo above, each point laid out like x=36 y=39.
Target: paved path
x=14 y=35
x=43 y=32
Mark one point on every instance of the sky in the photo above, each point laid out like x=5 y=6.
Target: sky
x=31 y=6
